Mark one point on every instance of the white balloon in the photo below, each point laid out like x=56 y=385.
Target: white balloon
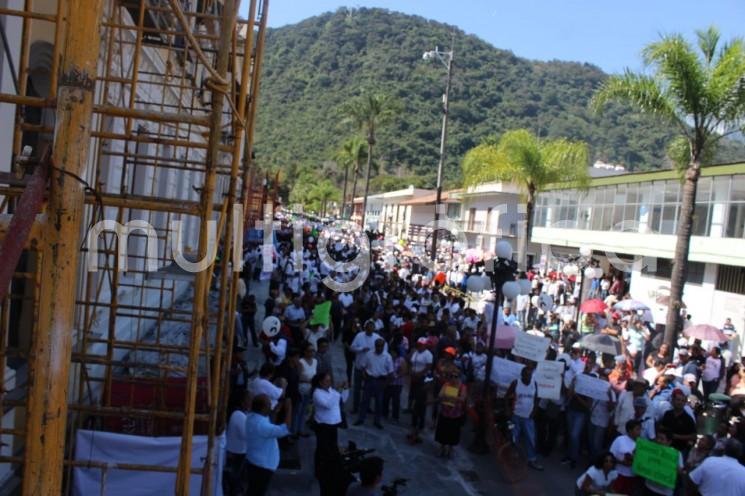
x=585 y=251
x=271 y=325
x=598 y=272
x=590 y=272
x=570 y=270
x=510 y=289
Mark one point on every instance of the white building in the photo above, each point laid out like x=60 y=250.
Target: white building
x=630 y=221
x=386 y=212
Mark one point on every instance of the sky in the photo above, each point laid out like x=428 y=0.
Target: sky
x=607 y=33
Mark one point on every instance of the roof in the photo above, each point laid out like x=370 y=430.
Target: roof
x=431 y=199
x=658 y=175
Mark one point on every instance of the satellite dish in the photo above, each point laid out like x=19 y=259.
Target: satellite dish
x=270 y=326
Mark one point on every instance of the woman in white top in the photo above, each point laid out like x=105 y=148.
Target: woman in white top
x=329 y=469
x=598 y=478
x=235 y=440
x=307 y=366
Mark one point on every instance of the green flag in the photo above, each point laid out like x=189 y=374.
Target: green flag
x=321 y=314
x=656 y=462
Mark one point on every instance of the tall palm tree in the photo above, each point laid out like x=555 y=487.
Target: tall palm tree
x=352 y=152
x=530 y=162
x=702 y=94
x=368 y=112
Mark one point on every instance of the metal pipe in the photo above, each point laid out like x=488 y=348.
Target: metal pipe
x=46 y=417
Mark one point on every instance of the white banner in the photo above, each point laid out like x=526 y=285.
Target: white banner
x=503 y=371
x=591 y=387
x=111 y=448
x=530 y=347
x=548 y=379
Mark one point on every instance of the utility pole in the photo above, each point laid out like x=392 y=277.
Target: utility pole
x=447 y=59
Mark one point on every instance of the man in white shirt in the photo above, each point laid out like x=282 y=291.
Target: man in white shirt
x=721 y=475
x=295 y=317
x=362 y=343
x=263 y=385
x=235 y=441
x=378 y=368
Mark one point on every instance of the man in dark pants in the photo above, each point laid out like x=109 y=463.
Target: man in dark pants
x=262 y=448
x=378 y=368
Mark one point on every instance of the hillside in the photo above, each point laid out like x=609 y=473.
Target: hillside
x=314 y=66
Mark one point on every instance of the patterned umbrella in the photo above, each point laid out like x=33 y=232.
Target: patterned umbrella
x=594 y=305
x=630 y=306
x=705 y=332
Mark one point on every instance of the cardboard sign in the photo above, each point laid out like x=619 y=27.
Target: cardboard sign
x=548 y=379
x=503 y=371
x=656 y=462
x=530 y=347
x=591 y=387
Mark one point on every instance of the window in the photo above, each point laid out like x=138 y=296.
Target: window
x=487 y=228
x=471 y=218
x=664 y=270
x=731 y=279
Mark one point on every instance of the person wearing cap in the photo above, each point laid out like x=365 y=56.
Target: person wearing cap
x=620 y=375
x=685 y=365
x=420 y=364
x=452 y=402
x=378 y=369
x=362 y=343
x=680 y=423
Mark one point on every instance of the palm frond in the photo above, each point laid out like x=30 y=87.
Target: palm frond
x=708 y=40
x=680 y=72
x=725 y=89
x=639 y=91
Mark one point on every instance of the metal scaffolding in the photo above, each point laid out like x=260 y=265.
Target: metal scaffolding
x=124 y=110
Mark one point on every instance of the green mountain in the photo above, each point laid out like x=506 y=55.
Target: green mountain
x=313 y=67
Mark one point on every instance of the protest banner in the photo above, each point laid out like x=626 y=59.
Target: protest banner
x=530 y=347
x=321 y=314
x=591 y=387
x=656 y=462
x=503 y=371
x=548 y=379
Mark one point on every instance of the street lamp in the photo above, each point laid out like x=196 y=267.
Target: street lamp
x=500 y=277
x=583 y=267
x=446 y=58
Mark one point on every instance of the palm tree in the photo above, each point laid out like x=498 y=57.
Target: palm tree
x=368 y=112
x=530 y=162
x=702 y=94
x=351 y=153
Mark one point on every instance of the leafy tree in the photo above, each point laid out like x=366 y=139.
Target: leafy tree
x=702 y=94
x=351 y=154
x=532 y=163
x=368 y=112
x=314 y=193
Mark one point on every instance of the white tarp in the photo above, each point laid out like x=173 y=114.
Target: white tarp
x=108 y=447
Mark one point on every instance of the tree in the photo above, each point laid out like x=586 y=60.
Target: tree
x=351 y=154
x=702 y=93
x=530 y=162
x=314 y=193
x=368 y=112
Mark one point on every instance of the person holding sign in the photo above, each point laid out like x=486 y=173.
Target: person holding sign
x=578 y=413
x=664 y=437
x=523 y=393
x=623 y=448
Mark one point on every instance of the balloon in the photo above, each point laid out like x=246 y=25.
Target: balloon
x=270 y=326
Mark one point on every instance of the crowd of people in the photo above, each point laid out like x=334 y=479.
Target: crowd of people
x=416 y=351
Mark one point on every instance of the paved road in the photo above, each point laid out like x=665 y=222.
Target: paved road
x=464 y=474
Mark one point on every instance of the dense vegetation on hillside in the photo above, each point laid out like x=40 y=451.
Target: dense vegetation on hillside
x=312 y=68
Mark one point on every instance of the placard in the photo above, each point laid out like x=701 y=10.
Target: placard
x=591 y=387
x=530 y=347
x=548 y=379
x=656 y=462
x=503 y=371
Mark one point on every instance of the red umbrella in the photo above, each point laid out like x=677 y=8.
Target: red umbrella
x=594 y=305
x=705 y=332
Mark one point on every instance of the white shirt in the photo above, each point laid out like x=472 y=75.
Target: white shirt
x=262 y=386
x=524 y=398
x=361 y=344
x=600 y=481
x=346 y=299
x=307 y=370
x=478 y=362
x=622 y=446
x=711 y=371
x=326 y=405
x=378 y=365
x=719 y=476
x=279 y=349
x=600 y=415
x=420 y=361
x=235 y=438
x=293 y=313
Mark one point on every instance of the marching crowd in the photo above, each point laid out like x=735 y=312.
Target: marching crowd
x=416 y=351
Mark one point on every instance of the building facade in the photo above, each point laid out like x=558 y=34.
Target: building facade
x=630 y=221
